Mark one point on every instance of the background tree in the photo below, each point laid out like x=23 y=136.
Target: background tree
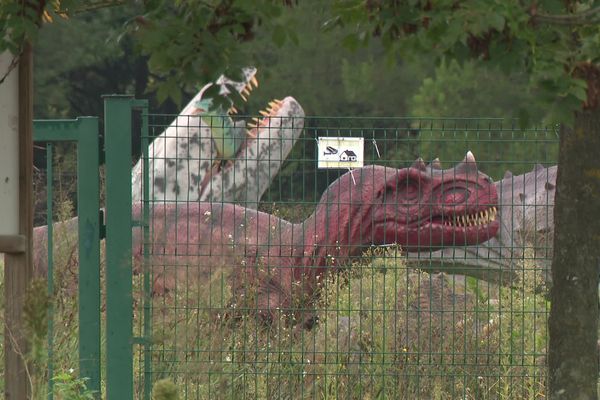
x=556 y=44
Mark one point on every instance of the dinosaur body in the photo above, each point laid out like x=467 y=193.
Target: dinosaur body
x=417 y=208
x=525 y=205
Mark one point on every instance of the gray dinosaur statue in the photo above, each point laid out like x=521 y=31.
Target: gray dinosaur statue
x=526 y=205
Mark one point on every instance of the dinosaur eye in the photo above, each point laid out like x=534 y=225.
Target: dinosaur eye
x=455 y=195
x=410 y=188
x=386 y=193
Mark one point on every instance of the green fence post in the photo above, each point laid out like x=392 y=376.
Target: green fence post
x=142 y=105
x=50 y=276
x=84 y=132
x=119 y=304
x=88 y=204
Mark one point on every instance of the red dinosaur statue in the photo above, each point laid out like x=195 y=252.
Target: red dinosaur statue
x=420 y=207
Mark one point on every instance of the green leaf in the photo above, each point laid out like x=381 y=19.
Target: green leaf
x=497 y=22
x=579 y=92
x=351 y=42
x=279 y=35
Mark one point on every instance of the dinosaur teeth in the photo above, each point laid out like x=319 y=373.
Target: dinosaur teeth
x=264 y=113
x=476 y=219
x=274 y=104
x=251 y=125
x=243 y=97
x=246 y=91
x=254 y=81
x=232 y=110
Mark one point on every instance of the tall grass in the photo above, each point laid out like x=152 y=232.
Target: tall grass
x=384 y=331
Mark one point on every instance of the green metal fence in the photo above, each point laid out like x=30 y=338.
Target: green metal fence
x=221 y=313
x=224 y=291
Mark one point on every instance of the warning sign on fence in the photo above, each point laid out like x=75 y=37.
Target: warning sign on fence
x=341 y=152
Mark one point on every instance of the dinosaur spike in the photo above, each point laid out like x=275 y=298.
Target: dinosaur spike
x=436 y=164
x=419 y=164
x=508 y=174
x=467 y=164
x=469 y=158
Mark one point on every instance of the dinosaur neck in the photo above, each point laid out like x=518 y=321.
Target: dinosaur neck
x=332 y=235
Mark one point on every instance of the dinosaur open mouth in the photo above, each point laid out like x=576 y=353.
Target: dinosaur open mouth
x=474 y=219
x=256 y=123
x=446 y=230
x=263 y=121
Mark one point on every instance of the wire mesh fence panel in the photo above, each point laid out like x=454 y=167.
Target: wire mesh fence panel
x=421 y=274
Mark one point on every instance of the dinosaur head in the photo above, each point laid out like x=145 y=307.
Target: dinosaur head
x=226 y=95
x=420 y=207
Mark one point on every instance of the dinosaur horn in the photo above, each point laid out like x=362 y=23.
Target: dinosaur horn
x=419 y=164
x=436 y=164
x=467 y=164
x=469 y=157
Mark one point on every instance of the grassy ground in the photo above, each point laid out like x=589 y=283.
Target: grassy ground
x=384 y=331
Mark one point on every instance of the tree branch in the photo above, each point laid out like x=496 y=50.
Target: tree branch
x=581 y=18
x=91 y=7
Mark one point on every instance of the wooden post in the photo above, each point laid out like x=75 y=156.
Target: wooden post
x=18 y=267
